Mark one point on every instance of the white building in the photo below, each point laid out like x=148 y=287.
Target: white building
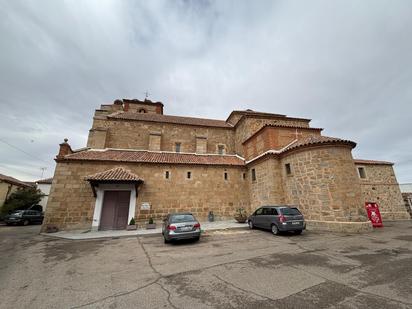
x=44 y=186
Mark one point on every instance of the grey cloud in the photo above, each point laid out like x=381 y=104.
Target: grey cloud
x=345 y=64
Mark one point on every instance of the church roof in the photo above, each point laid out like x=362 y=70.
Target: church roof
x=13 y=181
x=115 y=174
x=374 y=162
x=144 y=156
x=45 y=181
x=169 y=119
x=318 y=140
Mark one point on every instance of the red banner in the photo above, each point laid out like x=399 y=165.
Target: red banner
x=374 y=214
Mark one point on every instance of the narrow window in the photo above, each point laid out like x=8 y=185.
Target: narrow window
x=177 y=147
x=225 y=175
x=362 y=173
x=288 y=169
x=167 y=174
x=189 y=175
x=253 y=174
x=244 y=176
x=221 y=149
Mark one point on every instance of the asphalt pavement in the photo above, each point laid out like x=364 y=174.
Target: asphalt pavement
x=225 y=269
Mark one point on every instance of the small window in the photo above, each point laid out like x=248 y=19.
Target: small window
x=167 y=174
x=177 y=147
x=288 y=169
x=142 y=111
x=244 y=176
x=221 y=149
x=225 y=175
x=189 y=175
x=362 y=173
x=253 y=174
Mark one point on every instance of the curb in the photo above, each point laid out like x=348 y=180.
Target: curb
x=136 y=235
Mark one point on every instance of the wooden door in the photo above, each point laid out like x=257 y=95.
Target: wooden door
x=122 y=207
x=115 y=210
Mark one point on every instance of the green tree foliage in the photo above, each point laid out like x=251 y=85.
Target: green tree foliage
x=23 y=198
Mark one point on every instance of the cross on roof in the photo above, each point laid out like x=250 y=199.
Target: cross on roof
x=146 y=94
x=296 y=133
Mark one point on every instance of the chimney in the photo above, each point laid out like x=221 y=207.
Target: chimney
x=65 y=149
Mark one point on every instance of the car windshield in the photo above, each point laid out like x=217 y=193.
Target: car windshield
x=181 y=218
x=290 y=211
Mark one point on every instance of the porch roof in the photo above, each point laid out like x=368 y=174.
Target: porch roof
x=113 y=175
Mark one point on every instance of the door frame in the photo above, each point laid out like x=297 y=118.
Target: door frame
x=100 y=196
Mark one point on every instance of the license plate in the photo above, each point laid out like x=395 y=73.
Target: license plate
x=296 y=222
x=186 y=228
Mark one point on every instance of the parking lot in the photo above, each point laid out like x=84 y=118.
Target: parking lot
x=226 y=269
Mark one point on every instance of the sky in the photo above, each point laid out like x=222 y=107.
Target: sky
x=345 y=64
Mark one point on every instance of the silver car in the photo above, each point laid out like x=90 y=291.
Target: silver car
x=278 y=219
x=180 y=226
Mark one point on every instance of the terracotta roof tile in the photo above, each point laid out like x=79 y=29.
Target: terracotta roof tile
x=13 y=180
x=170 y=119
x=143 y=156
x=115 y=174
x=317 y=140
x=45 y=181
x=359 y=161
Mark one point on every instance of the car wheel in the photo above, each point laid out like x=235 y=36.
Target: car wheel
x=196 y=238
x=166 y=240
x=298 y=232
x=275 y=230
x=26 y=222
x=250 y=223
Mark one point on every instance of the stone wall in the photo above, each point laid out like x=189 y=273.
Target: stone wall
x=135 y=135
x=267 y=189
x=380 y=186
x=71 y=201
x=324 y=183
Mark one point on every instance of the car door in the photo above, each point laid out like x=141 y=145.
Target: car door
x=257 y=217
x=266 y=218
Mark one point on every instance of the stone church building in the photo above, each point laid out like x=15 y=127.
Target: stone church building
x=140 y=163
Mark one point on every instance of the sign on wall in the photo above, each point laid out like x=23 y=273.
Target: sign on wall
x=374 y=214
x=145 y=206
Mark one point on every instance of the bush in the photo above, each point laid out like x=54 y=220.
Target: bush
x=150 y=220
x=132 y=222
x=23 y=198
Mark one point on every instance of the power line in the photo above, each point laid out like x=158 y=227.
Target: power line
x=19 y=170
x=21 y=150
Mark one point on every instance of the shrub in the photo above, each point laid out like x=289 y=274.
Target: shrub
x=23 y=198
x=132 y=222
x=151 y=220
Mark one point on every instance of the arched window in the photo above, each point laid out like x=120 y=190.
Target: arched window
x=142 y=111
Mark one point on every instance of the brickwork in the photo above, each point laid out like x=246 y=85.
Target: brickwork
x=381 y=186
x=274 y=138
x=247 y=127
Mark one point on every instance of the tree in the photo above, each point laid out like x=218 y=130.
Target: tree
x=23 y=198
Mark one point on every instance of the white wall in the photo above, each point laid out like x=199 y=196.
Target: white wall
x=45 y=189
